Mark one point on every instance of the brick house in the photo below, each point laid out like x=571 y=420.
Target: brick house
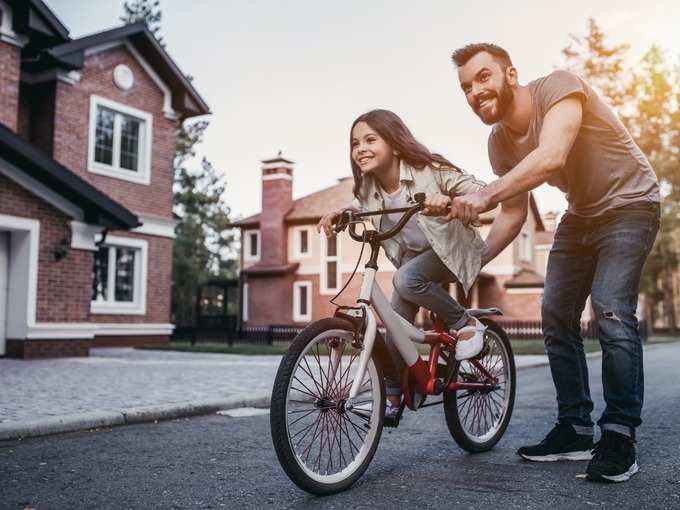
x=289 y=272
x=87 y=140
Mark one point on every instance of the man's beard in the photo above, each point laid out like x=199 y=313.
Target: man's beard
x=503 y=102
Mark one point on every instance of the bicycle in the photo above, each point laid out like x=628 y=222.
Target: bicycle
x=328 y=401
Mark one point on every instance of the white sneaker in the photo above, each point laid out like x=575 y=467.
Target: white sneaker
x=469 y=347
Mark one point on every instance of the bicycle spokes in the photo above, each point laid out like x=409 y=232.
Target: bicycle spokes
x=325 y=435
x=481 y=410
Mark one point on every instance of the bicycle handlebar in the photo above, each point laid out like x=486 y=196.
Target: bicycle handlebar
x=347 y=219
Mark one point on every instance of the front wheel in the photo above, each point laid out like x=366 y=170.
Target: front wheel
x=322 y=446
x=477 y=419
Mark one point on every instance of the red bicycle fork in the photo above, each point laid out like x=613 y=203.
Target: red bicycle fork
x=422 y=377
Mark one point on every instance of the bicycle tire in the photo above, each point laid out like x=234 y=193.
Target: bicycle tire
x=297 y=468
x=460 y=427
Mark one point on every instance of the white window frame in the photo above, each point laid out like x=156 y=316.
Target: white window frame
x=297 y=239
x=323 y=289
x=244 y=310
x=297 y=316
x=525 y=250
x=138 y=304
x=246 y=245
x=143 y=173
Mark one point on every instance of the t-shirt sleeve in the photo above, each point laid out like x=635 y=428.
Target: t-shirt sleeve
x=557 y=86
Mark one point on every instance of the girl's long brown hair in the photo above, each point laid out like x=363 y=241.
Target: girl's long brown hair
x=393 y=130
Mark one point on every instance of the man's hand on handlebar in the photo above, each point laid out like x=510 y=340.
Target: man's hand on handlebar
x=436 y=205
x=467 y=208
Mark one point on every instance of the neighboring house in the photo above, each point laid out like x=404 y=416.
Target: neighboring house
x=87 y=140
x=289 y=273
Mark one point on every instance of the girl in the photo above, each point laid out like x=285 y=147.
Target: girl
x=389 y=166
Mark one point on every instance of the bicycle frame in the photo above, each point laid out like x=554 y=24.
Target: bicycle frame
x=402 y=335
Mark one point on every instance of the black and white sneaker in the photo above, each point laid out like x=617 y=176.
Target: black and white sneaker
x=392 y=414
x=614 y=458
x=561 y=443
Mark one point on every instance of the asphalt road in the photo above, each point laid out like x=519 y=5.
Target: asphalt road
x=222 y=462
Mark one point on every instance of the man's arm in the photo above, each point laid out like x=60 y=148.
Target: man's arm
x=560 y=127
x=506 y=226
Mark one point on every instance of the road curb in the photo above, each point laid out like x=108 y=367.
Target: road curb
x=125 y=416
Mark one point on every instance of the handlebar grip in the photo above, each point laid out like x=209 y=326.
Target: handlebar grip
x=342 y=223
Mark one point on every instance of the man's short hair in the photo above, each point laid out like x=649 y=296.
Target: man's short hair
x=461 y=56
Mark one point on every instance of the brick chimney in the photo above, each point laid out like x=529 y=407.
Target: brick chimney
x=277 y=201
x=10 y=62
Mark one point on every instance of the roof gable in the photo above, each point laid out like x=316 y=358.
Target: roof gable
x=310 y=208
x=37 y=21
x=70 y=55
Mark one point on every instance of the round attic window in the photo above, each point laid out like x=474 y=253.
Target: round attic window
x=123 y=77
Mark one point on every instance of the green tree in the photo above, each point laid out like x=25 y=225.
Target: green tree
x=202 y=243
x=602 y=64
x=646 y=97
x=653 y=117
x=202 y=247
x=148 y=11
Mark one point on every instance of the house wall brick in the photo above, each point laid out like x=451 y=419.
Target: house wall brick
x=10 y=61
x=71 y=130
x=57 y=348
x=64 y=287
x=129 y=341
x=515 y=306
x=268 y=300
x=277 y=200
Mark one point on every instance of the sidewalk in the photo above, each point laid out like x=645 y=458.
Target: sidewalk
x=123 y=386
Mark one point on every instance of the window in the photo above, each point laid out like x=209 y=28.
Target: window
x=301 y=242
x=302 y=301
x=120 y=141
x=525 y=246
x=330 y=264
x=119 y=277
x=251 y=245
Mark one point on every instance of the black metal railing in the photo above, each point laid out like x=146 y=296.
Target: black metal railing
x=252 y=334
x=533 y=330
x=516 y=330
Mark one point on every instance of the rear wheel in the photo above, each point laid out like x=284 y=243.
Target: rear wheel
x=323 y=445
x=477 y=419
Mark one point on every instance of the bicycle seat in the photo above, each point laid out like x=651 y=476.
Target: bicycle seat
x=481 y=312
x=474 y=312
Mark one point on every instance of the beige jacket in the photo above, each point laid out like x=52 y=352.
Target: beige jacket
x=458 y=246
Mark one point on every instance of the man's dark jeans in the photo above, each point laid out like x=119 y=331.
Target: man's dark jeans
x=602 y=256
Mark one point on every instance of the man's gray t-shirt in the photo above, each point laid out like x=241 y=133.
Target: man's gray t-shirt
x=605 y=168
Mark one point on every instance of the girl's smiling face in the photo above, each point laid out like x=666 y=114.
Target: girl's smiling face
x=370 y=152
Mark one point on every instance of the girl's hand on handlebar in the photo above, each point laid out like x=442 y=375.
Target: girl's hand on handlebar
x=326 y=223
x=436 y=205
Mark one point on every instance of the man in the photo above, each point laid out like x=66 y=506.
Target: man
x=556 y=129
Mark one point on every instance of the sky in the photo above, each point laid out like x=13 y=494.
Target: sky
x=293 y=75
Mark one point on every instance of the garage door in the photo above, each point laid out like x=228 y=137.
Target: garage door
x=4 y=273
